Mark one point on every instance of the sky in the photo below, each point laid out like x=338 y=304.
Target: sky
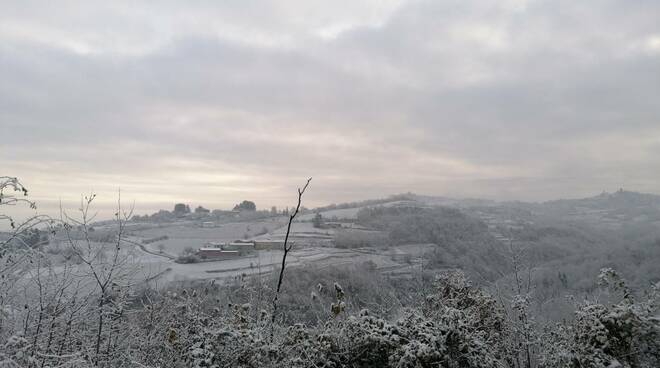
x=213 y=102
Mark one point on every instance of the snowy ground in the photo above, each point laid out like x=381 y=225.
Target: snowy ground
x=155 y=261
x=181 y=236
x=397 y=260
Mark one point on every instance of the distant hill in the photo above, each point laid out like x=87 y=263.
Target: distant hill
x=366 y=202
x=451 y=202
x=609 y=208
x=408 y=199
x=349 y=210
x=618 y=200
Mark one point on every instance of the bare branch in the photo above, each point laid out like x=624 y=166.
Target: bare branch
x=287 y=248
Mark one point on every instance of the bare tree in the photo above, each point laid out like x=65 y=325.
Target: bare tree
x=33 y=291
x=16 y=251
x=524 y=334
x=107 y=270
x=287 y=248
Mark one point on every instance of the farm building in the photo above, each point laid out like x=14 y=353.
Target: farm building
x=217 y=253
x=268 y=244
x=239 y=245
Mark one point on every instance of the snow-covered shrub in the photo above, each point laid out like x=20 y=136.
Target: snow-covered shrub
x=625 y=334
x=459 y=327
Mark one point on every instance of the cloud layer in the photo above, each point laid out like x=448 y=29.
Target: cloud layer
x=214 y=102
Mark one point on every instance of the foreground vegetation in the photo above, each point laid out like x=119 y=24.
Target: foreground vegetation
x=456 y=325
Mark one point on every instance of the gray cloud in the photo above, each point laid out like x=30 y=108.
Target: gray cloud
x=212 y=103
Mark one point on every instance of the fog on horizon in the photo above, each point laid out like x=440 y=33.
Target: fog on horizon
x=211 y=104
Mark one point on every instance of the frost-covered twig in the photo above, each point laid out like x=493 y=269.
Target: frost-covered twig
x=286 y=249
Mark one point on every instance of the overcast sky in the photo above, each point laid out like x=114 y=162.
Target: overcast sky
x=212 y=102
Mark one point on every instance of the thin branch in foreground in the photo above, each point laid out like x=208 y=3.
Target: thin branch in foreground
x=287 y=248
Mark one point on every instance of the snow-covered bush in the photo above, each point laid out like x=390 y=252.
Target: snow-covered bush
x=460 y=326
x=624 y=334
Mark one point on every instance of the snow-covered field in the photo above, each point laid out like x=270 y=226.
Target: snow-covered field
x=391 y=261
x=181 y=236
x=312 y=246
